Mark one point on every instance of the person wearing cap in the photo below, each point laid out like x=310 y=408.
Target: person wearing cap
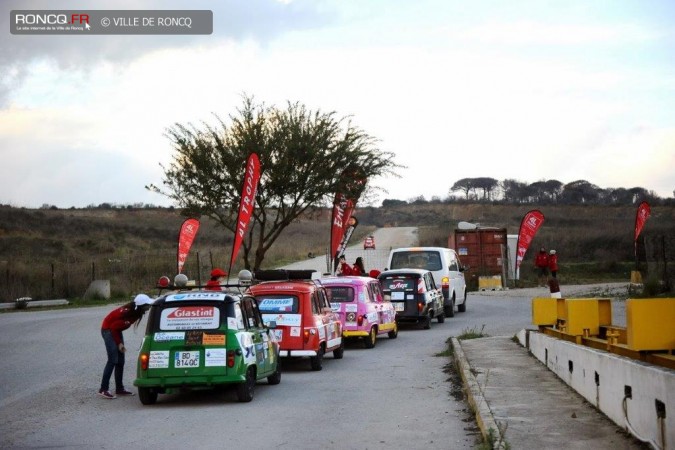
x=112 y=326
x=553 y=263
x=217 y=278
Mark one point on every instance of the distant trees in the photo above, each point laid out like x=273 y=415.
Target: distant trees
x=485 y=189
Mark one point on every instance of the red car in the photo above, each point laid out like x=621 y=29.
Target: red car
x=369 y=243
x=306 y=326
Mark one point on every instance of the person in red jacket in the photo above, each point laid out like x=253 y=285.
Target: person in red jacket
x=344 y=268
x=217 y=278
x=111 y=329
x=541 y=265
x=358 y=268
x=553 y=263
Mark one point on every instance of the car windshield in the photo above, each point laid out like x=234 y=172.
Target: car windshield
x=277 y=304
x=416 y=259
x=340 y=294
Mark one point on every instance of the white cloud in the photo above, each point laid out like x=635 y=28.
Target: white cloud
x=447 y=104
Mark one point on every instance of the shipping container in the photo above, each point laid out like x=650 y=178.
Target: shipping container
x=482 y=251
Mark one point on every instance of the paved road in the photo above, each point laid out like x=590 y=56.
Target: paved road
x=395 y=396
x=385 y=240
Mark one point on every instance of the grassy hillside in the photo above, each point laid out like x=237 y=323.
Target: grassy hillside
x=50 y=253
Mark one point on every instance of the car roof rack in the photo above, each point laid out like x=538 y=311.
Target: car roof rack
x=283 y=275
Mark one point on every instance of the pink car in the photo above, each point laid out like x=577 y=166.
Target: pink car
x=363 y=311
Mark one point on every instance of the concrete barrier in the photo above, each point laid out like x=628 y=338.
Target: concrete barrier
x=34 y=303
x=638 y=397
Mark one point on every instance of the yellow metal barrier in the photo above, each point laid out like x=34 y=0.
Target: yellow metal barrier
x=492 y=283
x=651 y=323
x=544 y=311
x=649 y=334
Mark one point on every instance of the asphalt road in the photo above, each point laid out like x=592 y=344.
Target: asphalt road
x=395 y=396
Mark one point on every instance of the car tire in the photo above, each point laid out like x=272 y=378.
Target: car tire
x=339 y=352
x=462 y=307
x=441 y=318
x=147 y=396
x=450 y=311
x=275 y=378
x=246 y=389
x=371 y=339
x=427 y=323
x=316 y=362
x=393 y=334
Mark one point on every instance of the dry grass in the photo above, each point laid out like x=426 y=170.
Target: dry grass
x=56 y=253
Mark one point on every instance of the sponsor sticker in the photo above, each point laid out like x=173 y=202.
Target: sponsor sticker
x=159 y=360
x=215 y=357
x=174 y=336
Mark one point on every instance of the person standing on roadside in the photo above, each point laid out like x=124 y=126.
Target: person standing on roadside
x=553 y=263
x=111 y=330
x=541 y=266
x=359 y=269
x=218 y=276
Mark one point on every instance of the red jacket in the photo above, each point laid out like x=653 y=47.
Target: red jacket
x=116 y=321
x=553 y=262
x=346 y=269
x=213 y=285
x=541 y=260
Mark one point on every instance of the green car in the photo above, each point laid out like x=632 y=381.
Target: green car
x=200 y=339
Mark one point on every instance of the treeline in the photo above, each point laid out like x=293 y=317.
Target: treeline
x=544 y=192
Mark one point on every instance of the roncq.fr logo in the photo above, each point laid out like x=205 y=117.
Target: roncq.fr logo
x=51 y=19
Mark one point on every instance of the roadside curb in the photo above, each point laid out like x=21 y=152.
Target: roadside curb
x=474 y=393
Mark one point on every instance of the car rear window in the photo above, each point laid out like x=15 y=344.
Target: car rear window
x=340 y=294
x=399 y=284
x=418 y=259
x=277 y=303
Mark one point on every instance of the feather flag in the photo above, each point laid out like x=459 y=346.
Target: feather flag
x=641 y=217
x=247 y=203
x=186 y=236
x=528 y=228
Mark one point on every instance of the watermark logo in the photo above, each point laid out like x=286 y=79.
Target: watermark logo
x=51 y=22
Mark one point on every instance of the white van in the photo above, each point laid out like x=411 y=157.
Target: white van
x=445 y=266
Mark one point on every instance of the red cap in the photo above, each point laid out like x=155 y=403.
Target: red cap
x=217 y=272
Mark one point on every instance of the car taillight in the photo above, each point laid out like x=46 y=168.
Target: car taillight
x=420 y=306
x=230 y=358
x=445 y=282
x=308 y=332
x=144 y=359
x=359 y=320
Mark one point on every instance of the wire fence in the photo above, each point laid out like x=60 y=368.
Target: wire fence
x=139 y=272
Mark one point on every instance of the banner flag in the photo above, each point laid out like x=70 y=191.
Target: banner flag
x=352 y=222
x=342 y=222
x=186 y=236
x=641 y=217
x=342 y=211
x=247 y=203
x=528 y=228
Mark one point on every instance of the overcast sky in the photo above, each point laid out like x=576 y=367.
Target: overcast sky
x=527 y=90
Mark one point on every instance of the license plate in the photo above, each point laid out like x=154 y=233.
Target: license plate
x=186 y=359
x=399 y=306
